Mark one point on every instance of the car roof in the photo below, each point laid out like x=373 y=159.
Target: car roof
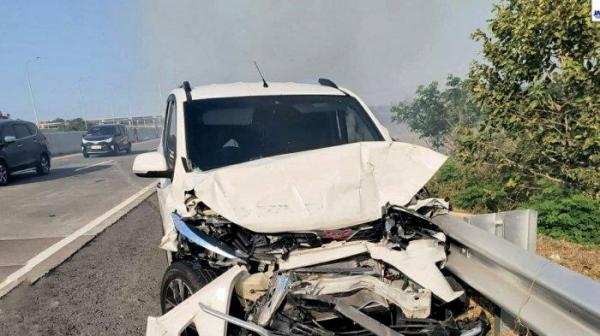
x=241 y=89
x=12 y=121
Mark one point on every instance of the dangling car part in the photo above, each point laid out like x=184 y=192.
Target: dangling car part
x=288 y=209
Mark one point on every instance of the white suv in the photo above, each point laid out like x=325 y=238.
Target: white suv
x=288 y=209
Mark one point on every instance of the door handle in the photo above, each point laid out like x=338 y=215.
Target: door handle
x=19 y=145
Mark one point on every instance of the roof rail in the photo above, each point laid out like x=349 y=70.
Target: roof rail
x=188 y=90
x=327 y=82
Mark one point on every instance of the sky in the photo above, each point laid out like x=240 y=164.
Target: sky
x=102 y=58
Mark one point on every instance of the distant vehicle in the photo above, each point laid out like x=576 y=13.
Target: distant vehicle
x=106 y=139
x=22 y=146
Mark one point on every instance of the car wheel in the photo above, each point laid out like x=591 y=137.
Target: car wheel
x=3 y=174
x=86 y=155
x=43 y=166
x=181 y=280
x=129 y=148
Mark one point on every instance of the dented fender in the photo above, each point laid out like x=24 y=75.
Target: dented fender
x=215 y=295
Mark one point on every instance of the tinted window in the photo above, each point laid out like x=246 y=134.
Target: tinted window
x=8 y=131
x=170 y=139
x=102 y=130
x=226 y=131
x=32 y=129
x=21 y=131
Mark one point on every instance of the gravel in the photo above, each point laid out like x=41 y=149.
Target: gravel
x=109 y=287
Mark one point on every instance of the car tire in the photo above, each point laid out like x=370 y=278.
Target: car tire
x=181 y=280
x=86 y=155
x=43 y=165
x=129 y=148
x=3 y=174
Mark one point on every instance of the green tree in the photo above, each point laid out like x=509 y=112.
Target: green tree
x=438 y=116
x=77 y=124
x=539 y=87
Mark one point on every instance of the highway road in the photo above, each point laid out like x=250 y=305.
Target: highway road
x=109 y=287
x=38 y=211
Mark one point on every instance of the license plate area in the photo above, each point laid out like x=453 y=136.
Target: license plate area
x=96 y=147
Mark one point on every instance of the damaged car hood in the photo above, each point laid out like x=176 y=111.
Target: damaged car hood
x=321 y=189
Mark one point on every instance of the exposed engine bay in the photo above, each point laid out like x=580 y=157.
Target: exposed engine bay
x=383 y=277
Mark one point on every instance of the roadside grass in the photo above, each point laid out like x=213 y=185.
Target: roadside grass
x=583 y=259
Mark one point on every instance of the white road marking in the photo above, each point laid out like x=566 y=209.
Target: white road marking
x=31 y=270
x=93 y=165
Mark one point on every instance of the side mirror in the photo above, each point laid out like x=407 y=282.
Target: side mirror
x=151 y=164
x=9 y=139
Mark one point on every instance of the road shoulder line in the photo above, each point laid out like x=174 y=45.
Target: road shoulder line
x=54 y=255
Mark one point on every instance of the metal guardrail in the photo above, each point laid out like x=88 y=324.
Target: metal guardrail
x=545 y=297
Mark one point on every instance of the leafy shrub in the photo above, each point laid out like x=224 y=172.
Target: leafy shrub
x=470 y=189
x=484 y=197
x=573 y=217
x=563 y=213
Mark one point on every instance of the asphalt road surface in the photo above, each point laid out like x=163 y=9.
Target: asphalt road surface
x=38 y=211
x=109 y=287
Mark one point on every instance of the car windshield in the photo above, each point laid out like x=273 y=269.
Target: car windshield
x=225 y=131
x=102 y=130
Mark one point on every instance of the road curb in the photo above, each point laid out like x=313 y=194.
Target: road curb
x=54 y=255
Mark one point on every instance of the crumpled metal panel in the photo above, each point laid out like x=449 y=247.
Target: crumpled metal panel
x=321 y=189
x=413 y=304
x=419 y=261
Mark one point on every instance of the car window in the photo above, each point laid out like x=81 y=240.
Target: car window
x=170 y=139
x=225 y=131
x=21 y=131
x=102 y=130
x=32 y=129
x=8 y=131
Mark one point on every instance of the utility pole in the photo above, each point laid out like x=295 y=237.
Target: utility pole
x=37 y=122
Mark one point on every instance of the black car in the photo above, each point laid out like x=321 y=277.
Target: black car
x=106 y=139
x=22 y=147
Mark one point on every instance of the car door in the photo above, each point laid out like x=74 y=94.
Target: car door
x=121 y=137
x=168 y=147
x=15 y=156
x=124 y=136
x=37 y=141
x=26 y=144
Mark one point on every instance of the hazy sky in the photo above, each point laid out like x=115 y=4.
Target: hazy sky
x=126 y=55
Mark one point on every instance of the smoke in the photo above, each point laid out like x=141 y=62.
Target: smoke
x=380 y=49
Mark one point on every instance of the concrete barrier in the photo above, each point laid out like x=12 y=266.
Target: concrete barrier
x=61 y=143
x=137 y=134
x=64 y=142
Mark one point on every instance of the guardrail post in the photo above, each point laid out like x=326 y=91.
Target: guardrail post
x=518 y=227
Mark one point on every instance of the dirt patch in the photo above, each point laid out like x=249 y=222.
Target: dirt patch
x=109 y=287
x=579 y=258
